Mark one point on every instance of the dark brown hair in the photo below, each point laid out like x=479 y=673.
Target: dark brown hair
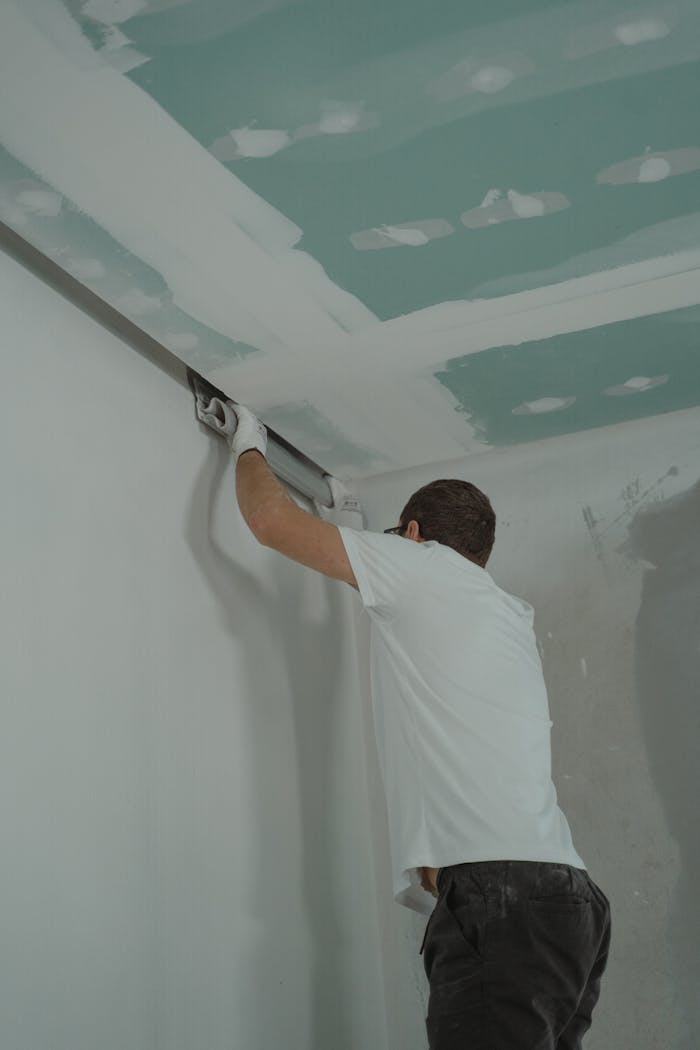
x=455 y=513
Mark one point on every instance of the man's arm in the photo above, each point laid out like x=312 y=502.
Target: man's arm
x=276 y=521
x=258 y=490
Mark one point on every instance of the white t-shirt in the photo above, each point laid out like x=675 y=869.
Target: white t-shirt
x=461 y=714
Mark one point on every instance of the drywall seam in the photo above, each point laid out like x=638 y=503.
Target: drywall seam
x=640 y=289
x=421 y=342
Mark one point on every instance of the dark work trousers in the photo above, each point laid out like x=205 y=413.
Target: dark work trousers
x=514 y=951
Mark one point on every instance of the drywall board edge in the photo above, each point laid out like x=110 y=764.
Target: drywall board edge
x=286 y=461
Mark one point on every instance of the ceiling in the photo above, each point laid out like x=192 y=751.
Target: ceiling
x=400 y=231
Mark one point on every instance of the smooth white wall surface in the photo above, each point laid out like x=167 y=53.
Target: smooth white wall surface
x=619 y=635
x=192 y=820
x=184 y=811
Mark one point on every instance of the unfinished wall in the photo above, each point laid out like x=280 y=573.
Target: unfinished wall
x=599 y=531
x=183 y=805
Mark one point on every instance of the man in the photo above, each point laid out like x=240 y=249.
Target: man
x=518 y=940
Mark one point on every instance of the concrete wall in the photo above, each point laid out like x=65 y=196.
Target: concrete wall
x=183 y=804
x=600 y=531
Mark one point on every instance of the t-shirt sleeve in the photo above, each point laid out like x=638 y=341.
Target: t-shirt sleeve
x=385 y=567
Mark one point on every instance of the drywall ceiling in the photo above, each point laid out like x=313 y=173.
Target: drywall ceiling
x=400 y=231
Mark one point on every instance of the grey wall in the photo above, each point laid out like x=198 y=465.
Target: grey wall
x=600 y=531
x=184 y=813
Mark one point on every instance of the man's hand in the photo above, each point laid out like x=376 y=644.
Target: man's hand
x=425 y=883
x=241 y=428
x=345 y=506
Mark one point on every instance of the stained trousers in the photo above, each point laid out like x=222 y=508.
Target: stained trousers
x=514 y=952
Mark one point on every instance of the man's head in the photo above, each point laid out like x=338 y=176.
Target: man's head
x=455 y=513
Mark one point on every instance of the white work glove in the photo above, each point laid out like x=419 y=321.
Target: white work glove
x=241 y=428
x=346 y=509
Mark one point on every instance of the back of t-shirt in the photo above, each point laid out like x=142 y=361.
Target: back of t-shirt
x=460 y=712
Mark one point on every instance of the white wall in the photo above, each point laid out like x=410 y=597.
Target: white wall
x=183 y=804
x=626 y=722
x=193 y=832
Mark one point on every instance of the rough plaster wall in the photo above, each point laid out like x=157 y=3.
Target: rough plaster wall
x=183 y=803
x=599 y=531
